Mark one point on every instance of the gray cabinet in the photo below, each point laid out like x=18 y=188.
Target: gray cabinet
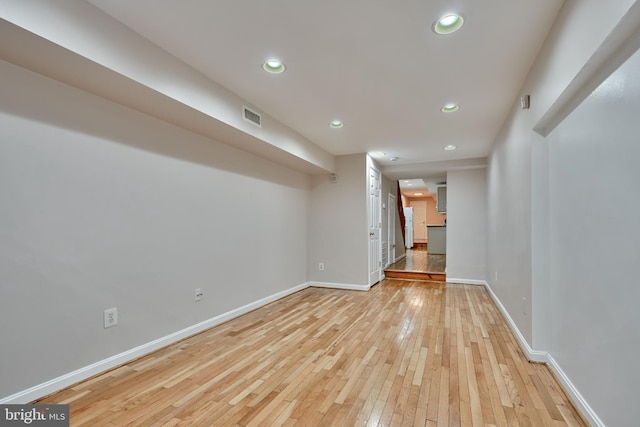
x=441 y=201
x=437 y=238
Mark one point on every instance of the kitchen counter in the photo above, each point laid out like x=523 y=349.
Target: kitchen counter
x=437 y=239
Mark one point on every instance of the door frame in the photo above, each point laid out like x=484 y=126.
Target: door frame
x=391 y=230
x=374 y=223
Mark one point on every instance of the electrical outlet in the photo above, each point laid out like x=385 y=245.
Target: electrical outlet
x=496 y=276
x=198 y=294
x=110 y=317
x=524 y=306
x=321 y=266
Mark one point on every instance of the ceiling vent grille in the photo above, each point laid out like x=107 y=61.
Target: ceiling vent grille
x=251 y=116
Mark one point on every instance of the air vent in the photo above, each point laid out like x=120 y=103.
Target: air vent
x=251 y=116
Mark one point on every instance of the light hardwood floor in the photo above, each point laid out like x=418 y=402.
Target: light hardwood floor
x=418 y=259
x=418 y=264
x=402 y=354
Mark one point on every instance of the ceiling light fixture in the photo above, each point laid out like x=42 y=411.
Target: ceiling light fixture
x=273 y=66
x=418 y=194
x=379 y=154
x=448 y=24
x=450 y=108
x=394 y=159
x=450 y=148
x=336 y=124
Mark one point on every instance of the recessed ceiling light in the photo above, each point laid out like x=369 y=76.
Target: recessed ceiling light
x=336 y=124
x=273 y=66
x=450 y=108
x=450 y=147
x=448 y=24
x=418 y=194
x=394 y=159
x=379 y=154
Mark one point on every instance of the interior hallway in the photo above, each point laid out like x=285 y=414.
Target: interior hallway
x=404 y=353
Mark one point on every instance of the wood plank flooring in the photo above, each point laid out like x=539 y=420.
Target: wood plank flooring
x=418 y=264
x=402 y=354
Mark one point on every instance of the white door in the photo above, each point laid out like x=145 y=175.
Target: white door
x=419 y=220
x=375 y=224
x=391 y=234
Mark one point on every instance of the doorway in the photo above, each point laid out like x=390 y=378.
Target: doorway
x=419 y=200
x=375 y=226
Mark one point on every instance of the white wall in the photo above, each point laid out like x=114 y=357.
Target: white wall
x=102 y=206
x=466 y=225
x=594 y=246
x=566 y=286
x=338 y=234
x=513 y=262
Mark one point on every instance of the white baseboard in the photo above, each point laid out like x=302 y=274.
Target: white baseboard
x=404 y=255
x=545 y=357
x=576 y=398
x=532 y=355
x=81 y=374
x=340 y=286
x=78 y=375
x=467 y=281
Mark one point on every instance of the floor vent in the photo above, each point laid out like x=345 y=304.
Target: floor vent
x=251 y=116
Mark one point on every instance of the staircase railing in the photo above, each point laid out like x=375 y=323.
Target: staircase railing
x=401 y=215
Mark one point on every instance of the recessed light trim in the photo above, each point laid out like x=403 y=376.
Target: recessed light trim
x=379 y=154
x=450 y=147
x=450 y=108
x=273 y=66
x=418 y=194
x=336 y=124
x=448 y=24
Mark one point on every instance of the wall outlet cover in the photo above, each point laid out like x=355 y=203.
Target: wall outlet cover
x=110 y=317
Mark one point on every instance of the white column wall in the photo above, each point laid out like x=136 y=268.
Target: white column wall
x=595 y=246
x=513 y=262
x=338 y=233
x=544 y=205
x=466 y=225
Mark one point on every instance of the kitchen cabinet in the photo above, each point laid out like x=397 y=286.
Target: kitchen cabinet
x=442 y=199
x=437 y=237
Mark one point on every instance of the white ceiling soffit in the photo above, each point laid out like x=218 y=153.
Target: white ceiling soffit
x=377 y=66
